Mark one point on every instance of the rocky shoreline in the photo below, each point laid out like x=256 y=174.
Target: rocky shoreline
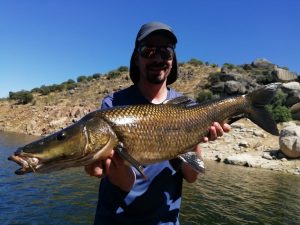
x=248 y=145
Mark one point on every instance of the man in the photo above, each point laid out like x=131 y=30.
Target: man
x=125 y=197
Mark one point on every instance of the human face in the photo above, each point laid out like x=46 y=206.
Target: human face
x=155 y=69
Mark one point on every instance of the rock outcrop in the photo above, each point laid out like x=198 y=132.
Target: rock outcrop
x=283 y=75
x=289 y=141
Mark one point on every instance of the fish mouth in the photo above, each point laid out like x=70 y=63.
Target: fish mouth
x=28 y=164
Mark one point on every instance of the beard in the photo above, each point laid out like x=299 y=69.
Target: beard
x=157 y=73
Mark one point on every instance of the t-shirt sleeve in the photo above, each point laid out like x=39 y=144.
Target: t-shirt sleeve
x=107 y=102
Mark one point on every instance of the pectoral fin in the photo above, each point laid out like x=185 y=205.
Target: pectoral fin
x=124 y=154
x=194 y=161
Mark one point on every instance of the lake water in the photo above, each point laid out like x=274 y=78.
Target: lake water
x=224 y=195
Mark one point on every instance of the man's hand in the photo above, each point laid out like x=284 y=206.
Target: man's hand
x=117 y=171
x=216 y=130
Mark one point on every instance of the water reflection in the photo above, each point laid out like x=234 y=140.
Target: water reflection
x=225 y=195
x=238 y=195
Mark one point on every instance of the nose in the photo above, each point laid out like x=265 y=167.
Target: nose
x=157 y=57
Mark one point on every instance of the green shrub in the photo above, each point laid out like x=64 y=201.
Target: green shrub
x=70 y=86
x=228 y=65
x=280 y=113
x=247 y=67
x=206 y=95
x=123 y=69
x=279 y=99
x=213 y=65
x=113 y=74
x=44 y=90
x=195 y=62
x=22 y=97
x=96 y=75
x=214 y=77
x=70 y=81
x=81 y=78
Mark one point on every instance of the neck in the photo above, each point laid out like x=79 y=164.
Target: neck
x=155 y=93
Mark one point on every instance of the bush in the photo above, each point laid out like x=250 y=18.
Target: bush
x=280 y=113
x=195 y=62
x=96 y=75
x=44 y=90
x=228 y=65
x=70 y=86
x=206 y=95
x=247 y=67
x=214 y=77
x=113 y=74
x=81 y=78
x=22 y=97
x=123 y=69
x=70 y=81
x=279 y=99
x=265 y=79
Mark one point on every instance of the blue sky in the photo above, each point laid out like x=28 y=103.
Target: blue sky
x=51 y=41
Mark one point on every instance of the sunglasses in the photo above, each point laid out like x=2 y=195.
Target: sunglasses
x=149 y=52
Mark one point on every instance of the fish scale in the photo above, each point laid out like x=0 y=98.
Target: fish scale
x=171 y=130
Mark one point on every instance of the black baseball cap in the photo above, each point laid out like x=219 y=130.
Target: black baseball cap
x=151 y=27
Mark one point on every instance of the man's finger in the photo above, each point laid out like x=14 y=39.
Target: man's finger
x=212 y=133
x=219 y=129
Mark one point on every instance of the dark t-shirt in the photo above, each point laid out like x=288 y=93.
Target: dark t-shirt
x=155 y=200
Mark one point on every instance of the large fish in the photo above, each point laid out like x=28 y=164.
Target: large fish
x=142 y=134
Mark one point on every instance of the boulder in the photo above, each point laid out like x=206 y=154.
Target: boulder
x=218 y=87
x=243 y=160
x=289 y=141
x=293 y=98
x=295 y=110
x=232 y=87
x=290 y=87
x=284 y=75
x=262 y=63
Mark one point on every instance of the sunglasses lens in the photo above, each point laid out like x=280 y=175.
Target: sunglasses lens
x=166 y=53
x=150 y=52
x=147 y=52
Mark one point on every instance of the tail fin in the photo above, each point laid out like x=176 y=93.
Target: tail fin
x=258 y=113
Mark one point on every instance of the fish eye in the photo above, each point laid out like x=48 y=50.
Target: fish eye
x=61 y=136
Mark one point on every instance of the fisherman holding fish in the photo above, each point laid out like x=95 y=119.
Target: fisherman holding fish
x=125 y=195
x=149 y=126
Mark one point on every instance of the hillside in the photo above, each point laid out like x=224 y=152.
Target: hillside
x=48 y=113
x=56 y=110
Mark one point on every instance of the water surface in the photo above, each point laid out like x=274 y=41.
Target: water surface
x=225 y=195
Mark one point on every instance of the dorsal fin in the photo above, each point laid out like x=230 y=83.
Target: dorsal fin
x=181 y=100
